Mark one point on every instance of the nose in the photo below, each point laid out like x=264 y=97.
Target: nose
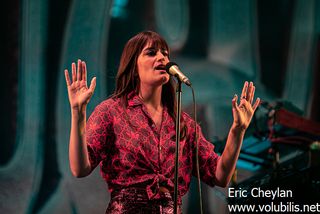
x=162 y=57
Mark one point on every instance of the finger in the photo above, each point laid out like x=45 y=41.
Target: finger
x=235 y=102
x=66 y=74
x=252 y=94
x=92 y=85
x=244 y=90
x=74 y=76
x=84 y=72
x=91 y=89
x=79 y=70
x=256 y=104
x=249 y=91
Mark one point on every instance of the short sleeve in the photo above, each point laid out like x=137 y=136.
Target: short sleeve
x=208 y=158
x=99 y=134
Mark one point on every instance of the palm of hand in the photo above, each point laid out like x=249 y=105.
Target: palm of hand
x=78 y=91
x=243 y=113
x=78 y=94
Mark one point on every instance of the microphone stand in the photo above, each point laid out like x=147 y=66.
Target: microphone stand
x=176 y=166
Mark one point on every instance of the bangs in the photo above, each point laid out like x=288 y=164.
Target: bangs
x=151 y=39
x=157 y=42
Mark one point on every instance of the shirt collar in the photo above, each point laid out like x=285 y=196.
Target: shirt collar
x=133 y=99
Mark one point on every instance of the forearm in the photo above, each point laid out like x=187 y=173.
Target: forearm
x=229 y=157
x=78 y=153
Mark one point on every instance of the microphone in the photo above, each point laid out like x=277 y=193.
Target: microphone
x=173 y=69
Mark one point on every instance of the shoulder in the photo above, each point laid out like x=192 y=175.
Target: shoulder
x=108 y=104
x=107 y=107
x=187 y=117
x=188 y=120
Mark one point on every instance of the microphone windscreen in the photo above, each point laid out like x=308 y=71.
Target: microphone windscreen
x=169 y=64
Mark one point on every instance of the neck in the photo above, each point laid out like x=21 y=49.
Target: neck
x=151 y=96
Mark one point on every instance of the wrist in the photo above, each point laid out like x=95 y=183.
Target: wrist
x=78 y=114
x=238 y=130
x=78 y=109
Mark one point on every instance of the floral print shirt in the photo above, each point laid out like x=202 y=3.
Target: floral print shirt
x=131 y=151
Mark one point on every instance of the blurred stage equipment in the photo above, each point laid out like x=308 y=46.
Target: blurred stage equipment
x=284 y=153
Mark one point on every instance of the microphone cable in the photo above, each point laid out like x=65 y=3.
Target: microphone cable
x=197 y=149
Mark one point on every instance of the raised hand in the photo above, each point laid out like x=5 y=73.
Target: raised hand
x=78 y=91
x=242 y=113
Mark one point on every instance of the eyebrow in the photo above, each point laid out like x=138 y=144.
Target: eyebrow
x=153 y=48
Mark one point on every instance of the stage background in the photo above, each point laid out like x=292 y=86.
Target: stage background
x=217 y=43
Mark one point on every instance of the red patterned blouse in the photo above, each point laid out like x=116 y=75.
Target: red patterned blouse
x=131 y=151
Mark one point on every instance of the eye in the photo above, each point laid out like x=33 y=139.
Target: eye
x=151 y=52
x=165 y=53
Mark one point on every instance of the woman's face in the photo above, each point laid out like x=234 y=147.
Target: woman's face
x=151 y=66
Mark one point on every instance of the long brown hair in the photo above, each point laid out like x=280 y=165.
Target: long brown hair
x=127 y=79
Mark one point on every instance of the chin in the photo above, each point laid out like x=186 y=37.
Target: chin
x=165 y=79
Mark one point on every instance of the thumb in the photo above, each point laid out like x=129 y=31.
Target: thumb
x=90 y=91
x=92 y=85
x=256 y=104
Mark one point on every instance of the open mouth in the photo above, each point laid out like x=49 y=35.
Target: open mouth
x=160 y=67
